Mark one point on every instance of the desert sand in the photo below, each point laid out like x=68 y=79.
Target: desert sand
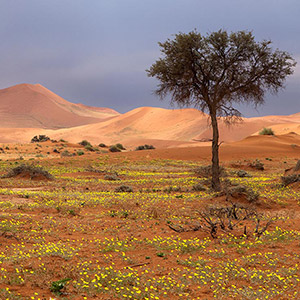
x=27 y=110
x=34 y=106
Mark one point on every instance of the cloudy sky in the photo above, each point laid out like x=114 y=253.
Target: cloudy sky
x=96 y=51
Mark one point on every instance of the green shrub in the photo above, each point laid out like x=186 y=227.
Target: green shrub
x=57 y=286
x=80 y=152
x=241 y=190
x=266 y=131
x=27 y=170
x=102 y=145
x=85 y=143
x=90 y=148
x=120 y=146
x=66 y=153
x=114 y=148
x=145 y=147
x=40 y=138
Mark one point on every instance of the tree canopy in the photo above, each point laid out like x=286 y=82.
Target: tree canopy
x=216 y=71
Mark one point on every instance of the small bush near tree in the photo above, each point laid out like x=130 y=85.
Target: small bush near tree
x=242 y=191
x=286 y=180
x=198 y=187
x=206 y=171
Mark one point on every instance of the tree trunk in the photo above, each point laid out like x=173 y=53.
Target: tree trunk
x=215 y=180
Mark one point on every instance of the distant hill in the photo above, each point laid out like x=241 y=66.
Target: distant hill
x=27 y=110
x=168 y=128
x=34 y=106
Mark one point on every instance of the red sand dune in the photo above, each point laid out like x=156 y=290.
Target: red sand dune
x=169 y=128
x=24 y=106
x=34 y=106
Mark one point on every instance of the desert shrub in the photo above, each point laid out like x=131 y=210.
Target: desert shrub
x=57 y=286
x=172 y=189
x=85 y=143
x=56 y=151
x=80 y=152
x=286 y=180
x=124 y=189
x=62 y=141
x=66 y=153
x=27 y=170
x=144 y=147
x=111 y=177
x=257 y=164
x=102 y=145
x=243 y=173
x=120 y=146
x=40 y=138
x=266 y=131
x=297 y=167
x=198 y=187
x=114 y=148
x=242 y=191
x=91 y=148
x=206 y=171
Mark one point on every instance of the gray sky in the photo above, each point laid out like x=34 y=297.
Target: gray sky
x=96 y=51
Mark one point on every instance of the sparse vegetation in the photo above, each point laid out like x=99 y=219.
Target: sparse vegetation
x=85 y=143
x=257 y=164
x=124 y=189
x=266 y=131
x=120 y=146
x=206 y=171
x=160 y=234
x=243 y=173
x=111 y=177
x=145 y=147
x=289 y=179
x=30 y=171
x=114 y=148
x=40 y=139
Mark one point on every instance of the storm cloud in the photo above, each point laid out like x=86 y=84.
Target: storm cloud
x=96 y=51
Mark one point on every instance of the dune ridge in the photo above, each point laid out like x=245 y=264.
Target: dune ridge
x=34 y=106
x=47 y=113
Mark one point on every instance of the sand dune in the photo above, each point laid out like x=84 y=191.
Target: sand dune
x=160 y=127
x=34 y=106
x=33 y=109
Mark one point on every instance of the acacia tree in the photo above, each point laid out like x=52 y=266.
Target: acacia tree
x=214 y=72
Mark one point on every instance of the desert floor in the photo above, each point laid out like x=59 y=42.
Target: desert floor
x=168 y=237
